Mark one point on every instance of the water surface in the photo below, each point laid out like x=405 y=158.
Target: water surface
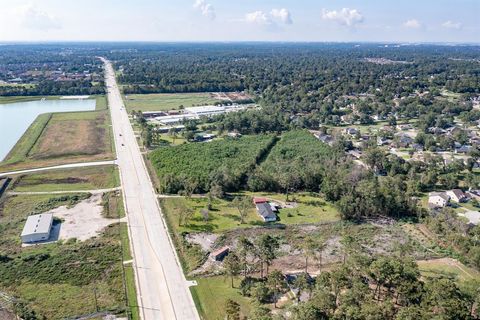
x=15 y=118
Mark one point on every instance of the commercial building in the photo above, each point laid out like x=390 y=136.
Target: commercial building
x=37 y=228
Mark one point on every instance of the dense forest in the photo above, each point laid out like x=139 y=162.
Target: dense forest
x=199 y=167
x=303 y=85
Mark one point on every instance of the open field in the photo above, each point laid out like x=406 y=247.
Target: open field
x=167 y=101
x=211 y=294
x=88 y=178
x=447 y=267
x=73 y=134
x=59 y=280
x=61 y=138
x=308 y=208
x=222 y=217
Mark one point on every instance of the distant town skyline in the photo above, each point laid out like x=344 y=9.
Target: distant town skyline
x=246 y=20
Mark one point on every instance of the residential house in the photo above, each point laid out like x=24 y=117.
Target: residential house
x=403 y=140
x=259 y=200
x=438 y=199
x=351 y=132
x=473 y=194
x=265 y=211
x=457 y=195
x=383 y=141
x=463 y=149
x=404 y=127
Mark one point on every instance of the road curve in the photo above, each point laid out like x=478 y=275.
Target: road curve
x=162 y=290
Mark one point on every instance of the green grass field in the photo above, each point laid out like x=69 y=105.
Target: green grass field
x=166 y=101
x=88 y=178
x=447 y=267
x=309 y=209
x=222 y=217
x=211 y=294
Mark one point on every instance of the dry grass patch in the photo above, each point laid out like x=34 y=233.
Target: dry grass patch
x=73 y=137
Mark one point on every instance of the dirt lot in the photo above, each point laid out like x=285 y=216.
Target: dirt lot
x=231 y=96
x=84 y=220
x=64 y=138
x=72 y=137
x=369 y=238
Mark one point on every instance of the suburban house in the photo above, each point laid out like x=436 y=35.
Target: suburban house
x=259 y=200
x=264 y=210
x=382 y=141
x=220 y=254
x=352 y=131
x=457 y=195
x=463 y=149
x=403 y=140
x=404 y=127
x=474 y=194
x=37 y=228
x=438 y=199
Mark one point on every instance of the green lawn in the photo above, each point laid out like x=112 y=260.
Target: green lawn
x=222 y=217
x=88 y=178
x=309 y=209
x=131 y=293
x=448 y=268
x=211 y=294
x=101 y=103
x=166 y=101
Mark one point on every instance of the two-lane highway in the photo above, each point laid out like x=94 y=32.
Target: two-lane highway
x=163 y=292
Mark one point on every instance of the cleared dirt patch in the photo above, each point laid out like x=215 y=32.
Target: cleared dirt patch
x=82 y=221
x=76 y=137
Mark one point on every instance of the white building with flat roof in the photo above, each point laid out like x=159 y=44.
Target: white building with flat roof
x=205 y=110
x=37 y=228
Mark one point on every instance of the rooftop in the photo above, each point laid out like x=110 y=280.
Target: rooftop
x=39 y=223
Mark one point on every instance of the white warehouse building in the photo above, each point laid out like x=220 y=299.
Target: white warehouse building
x=37 y=228
x=206 y=110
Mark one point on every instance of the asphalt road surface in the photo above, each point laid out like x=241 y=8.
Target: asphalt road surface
x=163 y=292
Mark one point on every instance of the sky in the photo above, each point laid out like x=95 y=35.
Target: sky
x=241 y=20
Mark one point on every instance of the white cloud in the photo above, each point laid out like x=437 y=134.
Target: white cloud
x=413 y=24
x=452 y=25
x=32 y=17
x=258 y=17
x=346 y=17
x=275 y=17
x=205 y=8
x=283 y=15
